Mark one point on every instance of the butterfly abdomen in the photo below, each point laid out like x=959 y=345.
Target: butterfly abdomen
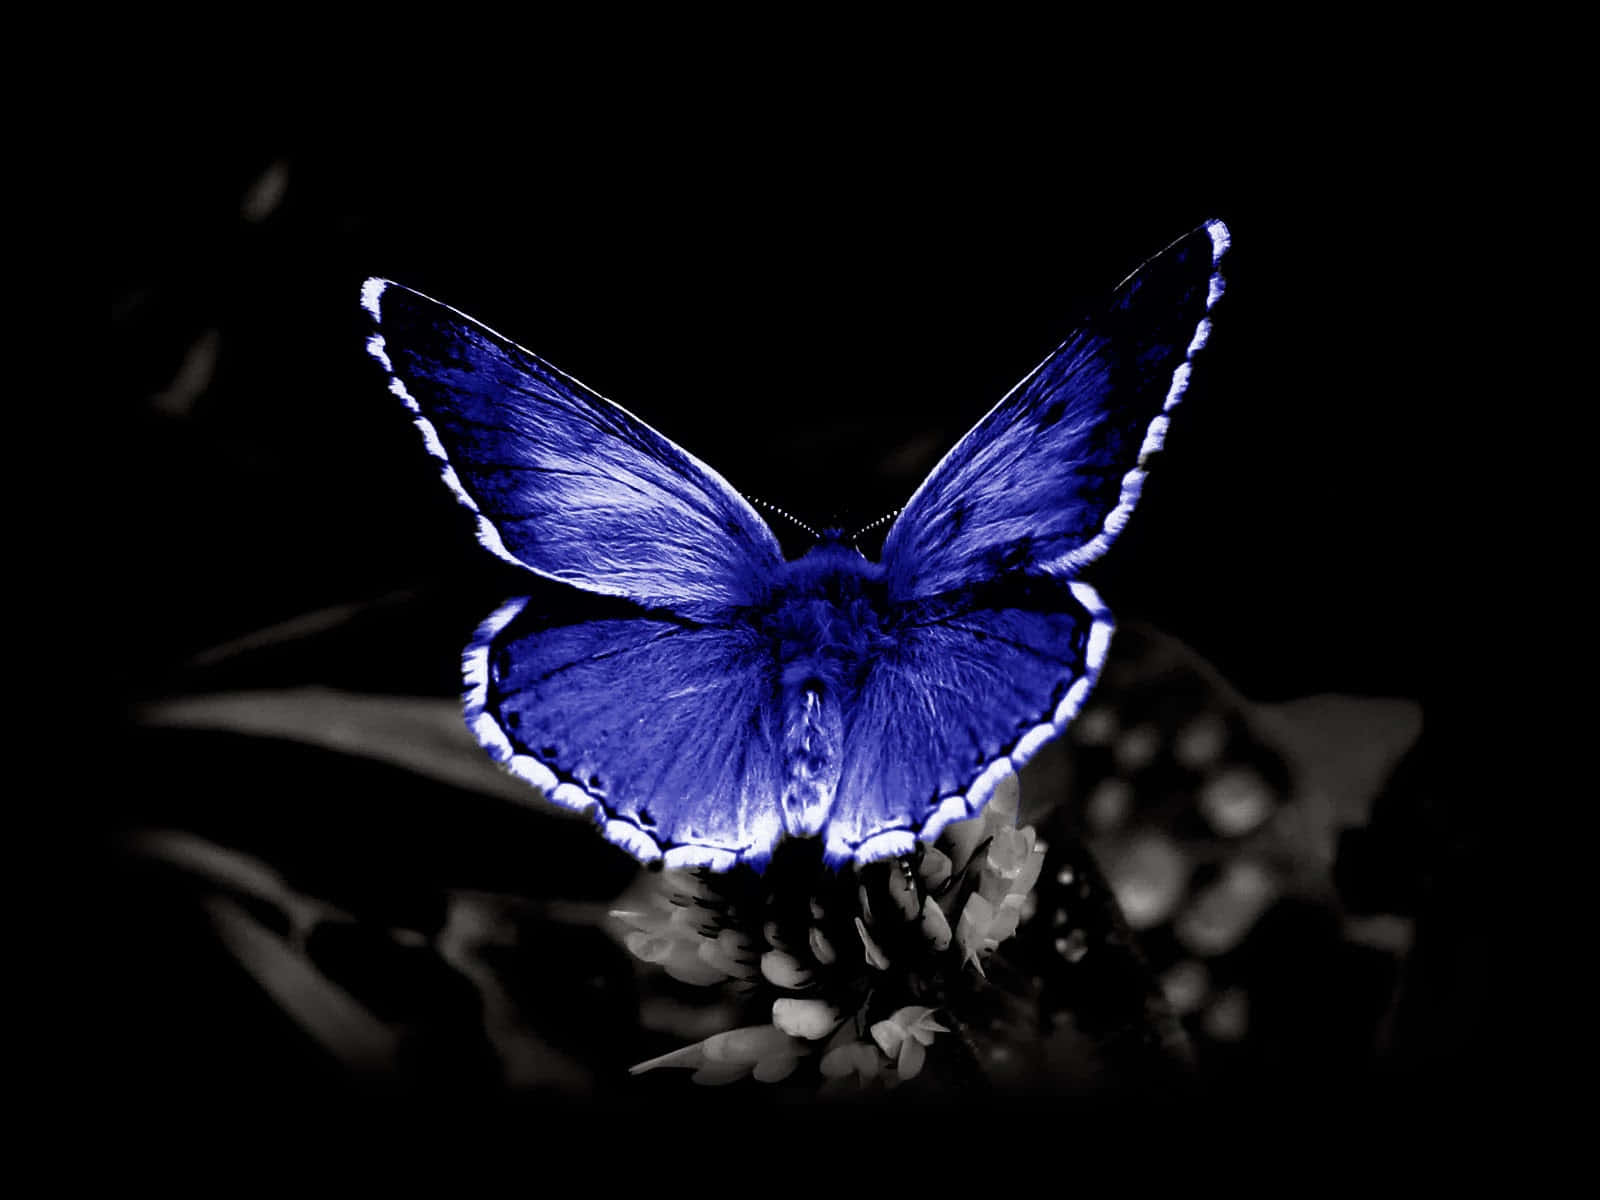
x=826 y=623
x=813 y=744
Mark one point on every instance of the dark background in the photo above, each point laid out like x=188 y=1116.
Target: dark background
x=817 y=299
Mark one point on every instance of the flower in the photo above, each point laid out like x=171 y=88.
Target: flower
x=905 y=1036
x=1016 y=856
x=984 y=925
x=845 y=979
x=860 y=1059
x=812 y=1020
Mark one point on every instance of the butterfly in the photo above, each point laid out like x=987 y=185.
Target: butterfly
x=710 y=697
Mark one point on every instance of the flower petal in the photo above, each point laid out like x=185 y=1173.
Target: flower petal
x=1003 y=805
x=1029 y=874
x=649 y=947
x=973 y=927
x=912 y=1055
x=908 y=1016
x=857 y=1058
x=747 y=1045
x=775 y=1068
x=684 y=1056
x=935 y=868
x=735 y=944
x=784 y=970
x=713 y=955
x=684 y=965
x=718 y=1074
x=821 y=948
x=1005 y=923
x=935 y=925
x=635 y=919
x=809 y=1019
x=875 y=957
x=889 y=1037
x=1007 y=851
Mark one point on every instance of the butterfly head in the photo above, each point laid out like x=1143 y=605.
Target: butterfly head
x=835 y=536
x=834 y=550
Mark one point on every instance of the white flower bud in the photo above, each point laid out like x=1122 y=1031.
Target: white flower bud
x=935 y=868
x=875 y=957
x=821 y=948
x=808 y=1019
x=935 y=924
x=748 y=1045
x=784 y=970
x=902 y=892
x=776 y=1069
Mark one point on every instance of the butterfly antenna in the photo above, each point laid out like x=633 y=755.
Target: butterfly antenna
x=786 y=516
x=883 y=520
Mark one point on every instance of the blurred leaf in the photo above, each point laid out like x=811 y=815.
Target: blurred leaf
x=290 y=969
x=477 y=921
x=419 y=734
x=306 y=625
x=193 y=377
x=1251 y=803
x=338 y=1022
x=266 y=193
x=233 y=870
x=1343 y=748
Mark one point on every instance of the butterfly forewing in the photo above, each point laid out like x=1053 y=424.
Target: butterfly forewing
x=1046 y=480
x=564 y=482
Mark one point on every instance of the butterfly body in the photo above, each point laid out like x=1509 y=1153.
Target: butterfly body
x=827 y=614
x=711 y=697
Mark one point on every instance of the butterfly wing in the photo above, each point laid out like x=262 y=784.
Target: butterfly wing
x=970 y=688
x=660 y=728
x=650 y=705
x=564 y=482
x=999 y=645
x=1046 y=480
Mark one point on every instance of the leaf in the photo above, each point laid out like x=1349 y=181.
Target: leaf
x=339 y=1023
x=295 y=629
x=419 y=734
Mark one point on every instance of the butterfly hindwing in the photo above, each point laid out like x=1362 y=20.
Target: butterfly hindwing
x=663 y=729
x=968 y=693
x=1046 y=480
x=564 y=482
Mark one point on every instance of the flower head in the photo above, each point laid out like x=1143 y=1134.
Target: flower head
x=850 y=979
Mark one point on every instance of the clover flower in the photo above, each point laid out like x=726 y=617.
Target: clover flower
x=847 y=980
x=905 y=1037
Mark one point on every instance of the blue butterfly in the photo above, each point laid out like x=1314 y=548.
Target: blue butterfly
x=712 y=697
